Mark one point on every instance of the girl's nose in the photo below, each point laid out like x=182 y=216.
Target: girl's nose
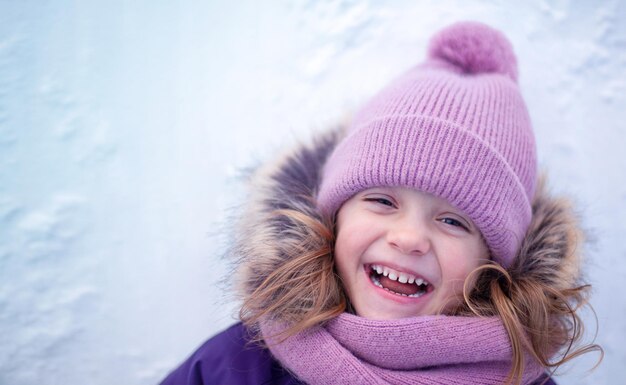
x=408 y=238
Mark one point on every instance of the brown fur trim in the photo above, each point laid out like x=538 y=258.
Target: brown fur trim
x=263 y=240
x=550 y=252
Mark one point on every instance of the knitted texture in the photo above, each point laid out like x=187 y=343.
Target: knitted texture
x=424 y=350
x=456 y=127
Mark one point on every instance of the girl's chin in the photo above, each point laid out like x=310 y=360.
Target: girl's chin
x=383 y=310
x=386 y=316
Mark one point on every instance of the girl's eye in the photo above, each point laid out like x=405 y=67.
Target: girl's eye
x=454 y=222
x=382 y=201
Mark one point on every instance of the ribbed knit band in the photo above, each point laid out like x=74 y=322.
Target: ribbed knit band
x=457 y=134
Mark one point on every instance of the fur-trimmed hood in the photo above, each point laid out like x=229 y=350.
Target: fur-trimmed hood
x=549 y=252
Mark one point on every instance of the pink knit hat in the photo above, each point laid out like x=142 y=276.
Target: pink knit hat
x=456 y=127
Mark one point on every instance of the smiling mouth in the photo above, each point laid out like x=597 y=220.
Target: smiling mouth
x=398 y=283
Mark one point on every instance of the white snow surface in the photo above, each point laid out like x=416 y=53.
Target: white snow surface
x=123 y=127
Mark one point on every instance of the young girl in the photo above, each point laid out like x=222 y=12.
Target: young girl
x=413 y=247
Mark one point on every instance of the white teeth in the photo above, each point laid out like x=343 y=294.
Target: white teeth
x=398 y=276
x=376 y=282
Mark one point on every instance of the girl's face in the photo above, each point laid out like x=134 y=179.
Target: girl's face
x=404 y=253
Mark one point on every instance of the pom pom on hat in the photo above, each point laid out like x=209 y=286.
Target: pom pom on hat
x=474 y=48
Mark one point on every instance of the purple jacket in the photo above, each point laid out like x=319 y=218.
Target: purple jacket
x=230 y=358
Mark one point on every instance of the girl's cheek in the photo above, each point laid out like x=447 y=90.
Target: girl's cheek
x=459 y=267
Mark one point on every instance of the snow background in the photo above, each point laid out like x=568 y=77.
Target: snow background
x=123 y=126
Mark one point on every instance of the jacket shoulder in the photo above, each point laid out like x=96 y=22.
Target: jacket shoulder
x=230 y=357
x=544 y=380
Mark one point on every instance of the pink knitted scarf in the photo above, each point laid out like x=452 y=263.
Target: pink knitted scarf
x=423 y=350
